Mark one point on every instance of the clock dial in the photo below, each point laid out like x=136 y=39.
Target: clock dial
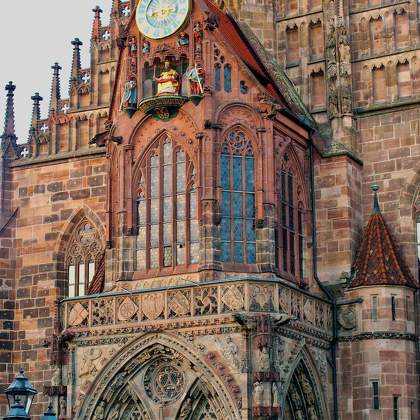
x=161 y=18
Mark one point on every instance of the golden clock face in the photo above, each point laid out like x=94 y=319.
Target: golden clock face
x=158 y=19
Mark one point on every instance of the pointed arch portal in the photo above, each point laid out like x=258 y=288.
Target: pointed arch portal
x=303 y=400
x=154 y=377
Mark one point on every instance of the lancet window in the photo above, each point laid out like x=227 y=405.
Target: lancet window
x=290 y=234
x=83 y=253
x=237 y=180
x=167 y=223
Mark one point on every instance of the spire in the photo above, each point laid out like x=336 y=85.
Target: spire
x=379 y=262
x=96 y=29
x=9 y=119
x=116 y=7
x=76 y=64
x=55 y=89
x=36 y=113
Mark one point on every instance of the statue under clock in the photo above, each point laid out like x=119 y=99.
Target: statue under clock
x=170 y=83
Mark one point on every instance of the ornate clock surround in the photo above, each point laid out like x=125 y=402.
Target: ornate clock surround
x=157 y=19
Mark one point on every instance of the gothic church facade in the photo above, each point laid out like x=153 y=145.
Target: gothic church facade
x=193 y=232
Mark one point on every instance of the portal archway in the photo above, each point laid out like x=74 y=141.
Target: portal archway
x=304 y=399
x=158 y=376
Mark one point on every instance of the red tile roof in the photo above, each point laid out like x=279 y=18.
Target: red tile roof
x=233 y=35
x=379 y=261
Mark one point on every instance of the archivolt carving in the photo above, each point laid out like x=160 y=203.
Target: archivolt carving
x=304 y=398
x=153 y=371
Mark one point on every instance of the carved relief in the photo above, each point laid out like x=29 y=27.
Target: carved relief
x=153 y=305
x=262 y=298
x=78 y=315
x=127 y=309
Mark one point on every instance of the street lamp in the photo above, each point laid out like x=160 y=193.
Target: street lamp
x=49 y=414
x=17 y=411
x=20 y=394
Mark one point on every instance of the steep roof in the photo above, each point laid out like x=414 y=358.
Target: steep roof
x=267 y=71
x=379 y=262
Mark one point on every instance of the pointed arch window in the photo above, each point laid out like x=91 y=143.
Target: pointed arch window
x=291 y=224
x=167 y=223
x=227 y=78
x=82 y=257
x=237 y=180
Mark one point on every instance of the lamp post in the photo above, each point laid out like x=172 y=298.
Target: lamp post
x=49 y=414
x=20 y=394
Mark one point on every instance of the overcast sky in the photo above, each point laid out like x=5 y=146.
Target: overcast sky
x=34 y=35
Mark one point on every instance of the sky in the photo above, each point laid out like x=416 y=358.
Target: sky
x=33 y=36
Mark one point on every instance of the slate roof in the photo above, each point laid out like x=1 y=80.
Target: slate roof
x=379 y=262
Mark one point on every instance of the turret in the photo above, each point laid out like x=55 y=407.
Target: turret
x=55 y=89
x=378 y=332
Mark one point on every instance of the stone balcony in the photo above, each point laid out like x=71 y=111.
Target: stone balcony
x=200 y=304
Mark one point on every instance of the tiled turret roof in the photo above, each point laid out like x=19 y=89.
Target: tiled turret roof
x=379 y=262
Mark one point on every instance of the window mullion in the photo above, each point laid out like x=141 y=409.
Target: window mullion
x=244 y=218
x=231 y=216
x=161 y=195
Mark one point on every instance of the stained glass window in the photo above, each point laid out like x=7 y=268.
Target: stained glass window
x=227 y=78
x=237 y=173
x=290 y=233
x=167 y=221
x=217 y=77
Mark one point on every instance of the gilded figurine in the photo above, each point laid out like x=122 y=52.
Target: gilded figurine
x=168 y=81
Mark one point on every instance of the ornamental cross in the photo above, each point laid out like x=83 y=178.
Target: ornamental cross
x=86 y=78
x=106 y=35
x=126 y=11
x=44 y=128
x=24 y=153
x=65 y=108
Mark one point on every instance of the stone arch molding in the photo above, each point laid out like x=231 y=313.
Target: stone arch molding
x=157 y=376
x=303 y=396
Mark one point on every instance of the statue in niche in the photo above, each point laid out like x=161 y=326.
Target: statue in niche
x=196 y=78
x=185 y=409
x=264 y=359
x=146 y=47
x=99 y=413
x=183 y=40
x=63 y=407
x=168 y=81
x=275 y=402
x=312 y=413
x=130 y=94
x=258 y=394
x=114 y=414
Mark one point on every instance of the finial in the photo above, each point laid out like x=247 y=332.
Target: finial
x=76 y=43
x=96 y=29
x=55 y=88
x=375 y=189
x=9 y=119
